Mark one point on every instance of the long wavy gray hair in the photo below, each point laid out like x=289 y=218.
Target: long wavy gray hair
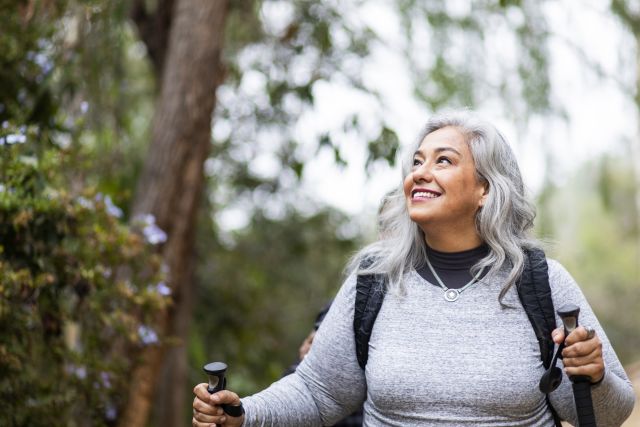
x=503 y=222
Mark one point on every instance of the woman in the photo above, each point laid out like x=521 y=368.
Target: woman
x=452 y=345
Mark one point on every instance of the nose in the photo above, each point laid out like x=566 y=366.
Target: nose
x=422 y=173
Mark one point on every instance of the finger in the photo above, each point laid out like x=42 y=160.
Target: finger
x=196 y=423
x=576 y=361
x=583 y=348
x=204 y=418
x=201 y=392
x=225 y=396
x=592 y=370
x=206 y=408
x=578 y=334
x=557 y=335
x=209 y=419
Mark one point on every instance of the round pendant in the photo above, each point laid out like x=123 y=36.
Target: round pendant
x=451 y=295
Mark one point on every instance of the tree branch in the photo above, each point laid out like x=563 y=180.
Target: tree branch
x=154 y=28
x=620 y=8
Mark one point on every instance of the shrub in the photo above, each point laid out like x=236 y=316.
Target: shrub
x=77 y=288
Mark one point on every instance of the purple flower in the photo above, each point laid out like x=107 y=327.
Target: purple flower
x=85 y=203
x=13 y=139
x=112 y=209
x=110 y=412
x=162 y=289
x=105 y=378
x=78 y=371
x=152 y=233
x=147 y=335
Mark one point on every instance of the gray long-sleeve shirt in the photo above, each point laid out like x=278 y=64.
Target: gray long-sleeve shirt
x=438 y=363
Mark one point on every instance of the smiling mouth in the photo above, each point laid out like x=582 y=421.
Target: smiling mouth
x=424 y=194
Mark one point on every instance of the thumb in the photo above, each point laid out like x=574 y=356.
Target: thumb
x=558 y=335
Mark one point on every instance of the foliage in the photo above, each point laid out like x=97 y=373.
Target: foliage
x=464 y=67
x=259 y=297
x=595 y=231
x=78 y=287
x=106 y=85
x=278 y=54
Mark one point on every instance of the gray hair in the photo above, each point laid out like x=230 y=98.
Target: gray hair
x=503 y=223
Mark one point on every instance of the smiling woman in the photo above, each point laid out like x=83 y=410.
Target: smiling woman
x=444 y=191
x=459 y=222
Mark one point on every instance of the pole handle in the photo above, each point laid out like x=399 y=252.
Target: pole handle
x=217 y=382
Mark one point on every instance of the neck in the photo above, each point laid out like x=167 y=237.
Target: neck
x=452 y=242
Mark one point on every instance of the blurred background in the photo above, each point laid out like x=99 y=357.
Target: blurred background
x=183 y=181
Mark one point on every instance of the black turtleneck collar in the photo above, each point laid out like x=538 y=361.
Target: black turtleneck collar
x=456 y=260
x=453 y=268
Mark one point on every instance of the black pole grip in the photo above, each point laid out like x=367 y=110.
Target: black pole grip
x=236 y=411
x=217 y=381
x=582 y=397
x=581 y=383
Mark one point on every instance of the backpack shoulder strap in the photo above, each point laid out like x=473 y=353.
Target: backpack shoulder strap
x=370 y=292
x=535 y=294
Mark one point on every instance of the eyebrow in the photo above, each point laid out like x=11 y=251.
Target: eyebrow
x=440 y=150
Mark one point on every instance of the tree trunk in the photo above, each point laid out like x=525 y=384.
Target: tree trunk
x=170 y=188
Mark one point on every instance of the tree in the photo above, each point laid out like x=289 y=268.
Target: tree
x=171 y=183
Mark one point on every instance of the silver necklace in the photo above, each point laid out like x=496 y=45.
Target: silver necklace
x=452 y=294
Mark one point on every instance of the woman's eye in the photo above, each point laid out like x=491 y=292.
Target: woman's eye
x=416 y=162
x=444 y=160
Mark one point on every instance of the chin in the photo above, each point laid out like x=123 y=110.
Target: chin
x=419 y=218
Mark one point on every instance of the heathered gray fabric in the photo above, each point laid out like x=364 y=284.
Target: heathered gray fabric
x=436 y=363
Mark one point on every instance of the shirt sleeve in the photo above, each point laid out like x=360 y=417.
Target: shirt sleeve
x=613 y=398
x=327 y=386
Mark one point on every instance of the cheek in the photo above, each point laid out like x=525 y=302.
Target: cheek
x=407 y=184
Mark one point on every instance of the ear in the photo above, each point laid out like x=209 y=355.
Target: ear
x=485 y=194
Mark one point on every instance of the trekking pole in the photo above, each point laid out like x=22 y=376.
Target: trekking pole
x=217 y=381
x=581 y=383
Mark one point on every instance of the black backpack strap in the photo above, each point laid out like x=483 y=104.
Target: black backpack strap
x=535 y=294
x=370 y=292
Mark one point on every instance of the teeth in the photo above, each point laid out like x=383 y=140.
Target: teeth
x=426 y=194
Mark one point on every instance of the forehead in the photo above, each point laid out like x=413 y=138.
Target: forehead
x=445 y=137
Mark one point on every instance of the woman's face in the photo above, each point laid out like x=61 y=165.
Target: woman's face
x=442 y=188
